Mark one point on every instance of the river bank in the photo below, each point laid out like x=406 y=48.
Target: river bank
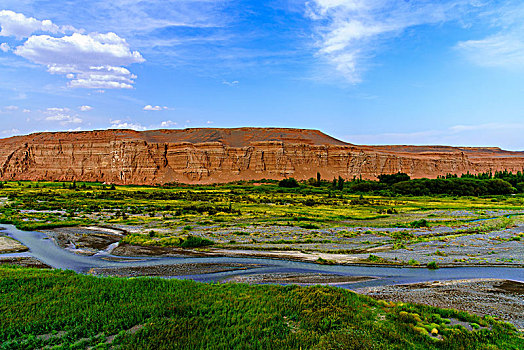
x=496 y=297
x=209 y=265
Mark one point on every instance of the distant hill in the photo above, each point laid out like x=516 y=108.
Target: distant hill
x=209 y=155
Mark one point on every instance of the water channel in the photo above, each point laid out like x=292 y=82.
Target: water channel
x=45 y=250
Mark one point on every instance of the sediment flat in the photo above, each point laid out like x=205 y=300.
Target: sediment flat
x=25 y=261
x=299 y=278
x=496 y=297
x=171 y=270
x=9 y=245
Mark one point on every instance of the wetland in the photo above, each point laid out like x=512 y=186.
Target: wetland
x=451 y=252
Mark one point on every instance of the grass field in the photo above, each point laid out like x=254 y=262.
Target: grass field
x=264 y=216
x=32 y=205
x=63 y=310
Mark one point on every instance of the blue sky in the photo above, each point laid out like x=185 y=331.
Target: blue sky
x=365 y=71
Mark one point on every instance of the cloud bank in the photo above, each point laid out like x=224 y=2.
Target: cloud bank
x=93 y=60
x=19 y=26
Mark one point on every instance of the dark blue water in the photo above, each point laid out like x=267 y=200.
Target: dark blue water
x=48 y=252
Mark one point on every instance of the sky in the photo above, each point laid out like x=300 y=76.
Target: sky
x=447 y=72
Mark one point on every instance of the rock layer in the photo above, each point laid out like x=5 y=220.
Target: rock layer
x=212 y=155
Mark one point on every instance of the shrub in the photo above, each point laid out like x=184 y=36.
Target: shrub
x=419 y=223
x=289 y=183
x=376 y=259
x=391 y=179
x=323 y=261
x=195 y=242
x=413 y=262
x=309 y=226
x=432 y=265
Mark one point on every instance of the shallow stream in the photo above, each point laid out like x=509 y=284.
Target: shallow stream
x=45 y=250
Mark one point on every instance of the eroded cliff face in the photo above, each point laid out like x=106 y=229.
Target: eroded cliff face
x=224 y=155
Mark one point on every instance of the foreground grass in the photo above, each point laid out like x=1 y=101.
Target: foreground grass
x=69 y=311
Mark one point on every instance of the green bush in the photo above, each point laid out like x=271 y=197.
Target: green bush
x=419 y=223
x=195 y=242
x=289 y=183
x=432 y=265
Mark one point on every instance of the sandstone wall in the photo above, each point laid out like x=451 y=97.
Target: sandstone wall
x=128 y=157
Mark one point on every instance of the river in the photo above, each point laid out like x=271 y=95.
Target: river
x=45 y=250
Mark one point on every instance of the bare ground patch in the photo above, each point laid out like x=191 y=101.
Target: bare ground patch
x=299 y=278
x=500 y=298
x=9 y=245
x=25 y=262
x=171 y=270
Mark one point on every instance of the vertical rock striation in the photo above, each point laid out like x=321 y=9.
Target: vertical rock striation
x=222 y=155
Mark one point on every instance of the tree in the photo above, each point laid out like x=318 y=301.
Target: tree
x=390 y=179
x=291 y=182
x=340 y=185
x=318 y=177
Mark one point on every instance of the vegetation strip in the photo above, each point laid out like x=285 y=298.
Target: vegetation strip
x=60 y=309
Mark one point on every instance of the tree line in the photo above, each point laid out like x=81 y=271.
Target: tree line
x=482 y=184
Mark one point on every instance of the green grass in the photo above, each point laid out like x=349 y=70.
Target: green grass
x=63 y=310
x=432 y=265
x=176 y=211
x=312 y=207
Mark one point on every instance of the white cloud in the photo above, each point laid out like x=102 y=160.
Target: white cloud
x=11 y=132
x=350 y=32
x=11 y=108
x=137 y=16
x=168 y=124
x=19 y=26
x=89 y=60
x=154 y=108
x=64 y=119
x=26 y=111
x=504 y=135
x=501 y=50
x=57 y=110
x=209 y=122
x=62 y=116
x=231 y=83
x=486 y=126
x=505 y=48
x=85 y=108
x=93 y=60
x=119 y=124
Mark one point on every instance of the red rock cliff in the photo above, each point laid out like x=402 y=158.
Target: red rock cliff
x=210 y=155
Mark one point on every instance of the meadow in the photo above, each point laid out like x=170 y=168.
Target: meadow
x=63 y=310
x=31 y=205
x=313 y=218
